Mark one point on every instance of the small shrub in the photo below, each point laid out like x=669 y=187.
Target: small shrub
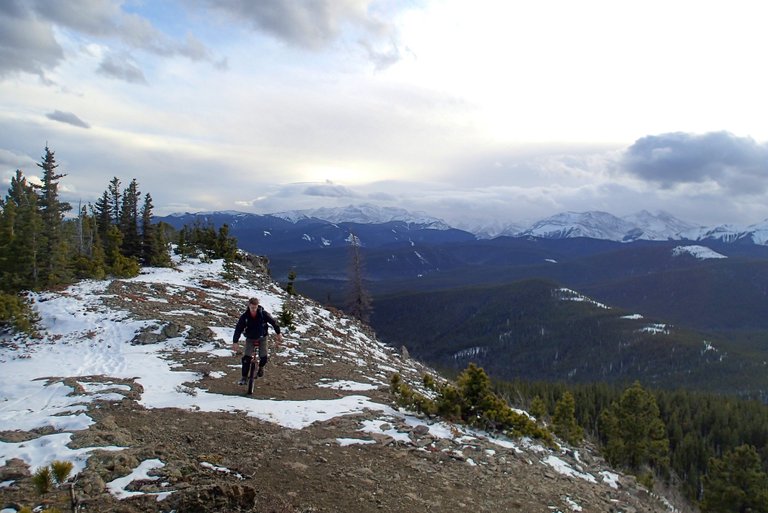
x=538 y=409
x=471 y=402
x=290 y=287
x=61 y=470
x=646 y=479
x=16 y=314
x=286 y=317
x=42 y=479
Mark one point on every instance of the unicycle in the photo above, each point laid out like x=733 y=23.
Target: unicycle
x=251 y=374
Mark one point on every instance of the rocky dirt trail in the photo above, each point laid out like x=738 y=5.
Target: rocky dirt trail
x=232 y=462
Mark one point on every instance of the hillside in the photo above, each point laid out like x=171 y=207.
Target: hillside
x=538 y=330
x=134 y=382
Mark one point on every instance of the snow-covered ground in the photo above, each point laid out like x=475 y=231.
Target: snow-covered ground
x=82 y=338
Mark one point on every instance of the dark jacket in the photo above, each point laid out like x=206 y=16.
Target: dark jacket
x=256 y=326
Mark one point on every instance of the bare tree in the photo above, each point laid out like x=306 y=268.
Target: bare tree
x=358 y=299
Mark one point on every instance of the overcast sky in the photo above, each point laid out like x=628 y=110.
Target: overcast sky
x=505 y=110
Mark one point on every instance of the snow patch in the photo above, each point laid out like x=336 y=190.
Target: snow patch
x=700 y=252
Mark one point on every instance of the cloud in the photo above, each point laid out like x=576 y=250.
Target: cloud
x=10 y=162
x=27 y=44
x=122 y=68
x=382 y=58
x=737 y=164
x=317 y=24
x=67 y=117
x=95 y=17
x=106 y=19
x=304 y=24
x=328 y=189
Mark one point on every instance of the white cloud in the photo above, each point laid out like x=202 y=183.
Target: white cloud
x=490 y=109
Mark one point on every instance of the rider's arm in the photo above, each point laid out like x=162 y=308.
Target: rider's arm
x=271 y=320
x=238 y=331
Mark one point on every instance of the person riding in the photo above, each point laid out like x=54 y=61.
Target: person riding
x=255 y=323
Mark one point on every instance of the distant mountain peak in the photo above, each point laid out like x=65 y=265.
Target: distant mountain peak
x=660 y=225
x=591 y=224
x=365 y=214
x=642 y=225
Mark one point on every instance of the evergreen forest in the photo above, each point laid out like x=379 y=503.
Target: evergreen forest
x=713 y=448
x=46 y=242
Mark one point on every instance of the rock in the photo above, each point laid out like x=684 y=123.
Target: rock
x=383 y=439
x=146 y=337
x=171 y=330
x=421 y=430
x=14 y=468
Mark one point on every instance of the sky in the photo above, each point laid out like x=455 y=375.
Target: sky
x=468 y=111
x=75 y=324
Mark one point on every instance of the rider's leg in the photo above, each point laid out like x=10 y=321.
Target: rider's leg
x=247 y=356
x=263 y=355
x=245 y=361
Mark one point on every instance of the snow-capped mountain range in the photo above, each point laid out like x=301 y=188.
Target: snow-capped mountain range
x=365 y=214
x=642 y=225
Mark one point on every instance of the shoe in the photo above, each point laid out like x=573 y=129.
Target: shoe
x=261 y=372
x=242 y=381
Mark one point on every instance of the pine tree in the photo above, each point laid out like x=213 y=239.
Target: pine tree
x=148 y=238
x=538 y=408
x=290 y=287
x=54 y=250
x=564 y=420
x=736 y=483
x=102 y=211
x=88 y=261
x=113 y=190
x=183 y=243
x=22 y=227
x=634 y=433
x=160 y=256
x=118 y=264
x=226 y=245
x=129 y=221
x=7 y=221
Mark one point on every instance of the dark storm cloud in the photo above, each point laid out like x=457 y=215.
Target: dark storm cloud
x=67 y=117
x=738 y=164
